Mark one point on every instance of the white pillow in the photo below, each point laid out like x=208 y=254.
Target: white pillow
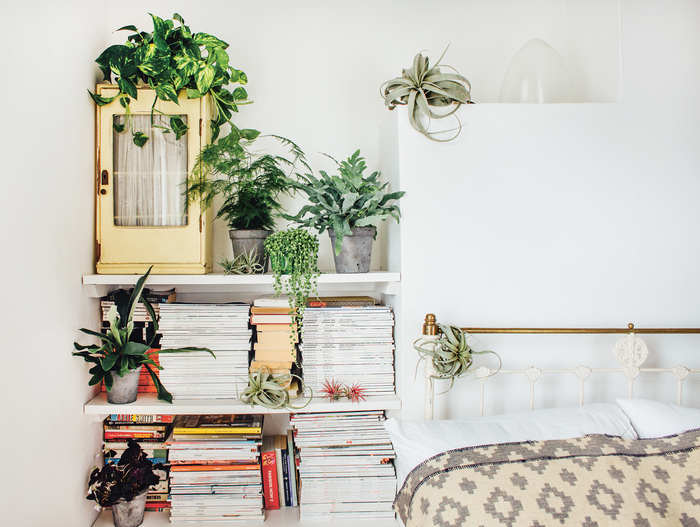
x=416 y=441
x=655 y=419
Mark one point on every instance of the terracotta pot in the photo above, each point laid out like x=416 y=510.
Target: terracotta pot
x=247 y=240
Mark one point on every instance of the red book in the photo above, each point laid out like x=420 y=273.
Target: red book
x=209 y=468
x=269 y=476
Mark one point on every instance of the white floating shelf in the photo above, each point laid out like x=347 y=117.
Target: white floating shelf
x=284 y=517
x=148 y=404
x=385 y=282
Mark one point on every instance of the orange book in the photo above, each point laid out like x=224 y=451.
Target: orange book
x=272 y=310
x=209 y=468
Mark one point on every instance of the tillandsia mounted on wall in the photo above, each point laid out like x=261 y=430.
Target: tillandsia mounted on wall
x=168 y=60
x=265 y=389
x=422 y=87
x=450 y=354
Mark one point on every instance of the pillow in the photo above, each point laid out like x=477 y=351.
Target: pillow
x=416 y=441
x=655 y=419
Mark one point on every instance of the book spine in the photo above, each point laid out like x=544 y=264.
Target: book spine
x=285 y=478
x=138 y=418
x=280 y=478
x=269 y=473
x=219 y=430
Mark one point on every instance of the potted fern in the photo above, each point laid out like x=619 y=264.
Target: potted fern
x=249 y=182
x=118 y=361
x=294 y=252
x=349 y=205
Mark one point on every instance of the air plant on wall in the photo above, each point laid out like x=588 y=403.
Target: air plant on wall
x=422 y=87
x=451 y=356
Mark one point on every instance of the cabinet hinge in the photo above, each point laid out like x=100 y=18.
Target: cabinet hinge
x=200 y=223
x=200 y=128
x=99 y=251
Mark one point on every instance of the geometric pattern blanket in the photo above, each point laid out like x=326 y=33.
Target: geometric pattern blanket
x=596 y=480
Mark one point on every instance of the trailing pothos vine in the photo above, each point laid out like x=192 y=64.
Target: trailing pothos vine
x=168 y=60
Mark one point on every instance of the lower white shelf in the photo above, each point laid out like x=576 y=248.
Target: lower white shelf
x=284 y=517
x=147 y=404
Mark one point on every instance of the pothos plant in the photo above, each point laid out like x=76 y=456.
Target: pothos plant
x=170 y=59
x=294 y=253
x=345 y=201
x=422 y=87
x=119 y=353
x=129 y=477
x=451 y=355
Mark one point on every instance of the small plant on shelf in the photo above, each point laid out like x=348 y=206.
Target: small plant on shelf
x=119 y=354
x=124 y=486
x=265 y=389
x=244 y=263
x=333 y=390
x=168 y=60
x=294 y=253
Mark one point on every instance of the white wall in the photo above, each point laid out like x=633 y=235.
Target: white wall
x=315 y=68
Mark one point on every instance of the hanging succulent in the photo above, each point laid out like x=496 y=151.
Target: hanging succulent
x=421 y=87
x=450 y=354
x=269 y=391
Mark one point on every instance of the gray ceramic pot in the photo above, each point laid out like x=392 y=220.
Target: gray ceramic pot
x=124 y=389
x=130 y=513
x=248 y=240
x=355 y=252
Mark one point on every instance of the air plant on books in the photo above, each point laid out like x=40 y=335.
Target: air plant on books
x=333 y=390
x=120 y=353
x=129 y=477
x=450 y=354
x=265 y=389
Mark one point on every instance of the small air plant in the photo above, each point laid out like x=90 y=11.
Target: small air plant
x=333 y=390
x=422 y=87
x=244 y=263
x=270 y=391
x=450 y=354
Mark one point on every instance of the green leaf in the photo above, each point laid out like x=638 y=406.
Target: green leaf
x=128 y=87
x=249 y=134
x=185 y=64
x=239 y=94
x=163 y=394
x=140 y=139
x=178 y=126
x=101 y=101
x=101 y=336
x=119 y=128
x=128 y=28
x=166 y=91
x=109 y=361
x=204 y=39
x=121 y=61
x=152 y=60
x=135 y=348
x=204 y=77
x=193 y=93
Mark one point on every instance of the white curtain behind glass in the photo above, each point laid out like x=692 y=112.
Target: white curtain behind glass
x=149 y=180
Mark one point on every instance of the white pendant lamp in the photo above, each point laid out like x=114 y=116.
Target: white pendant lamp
x=537 y=74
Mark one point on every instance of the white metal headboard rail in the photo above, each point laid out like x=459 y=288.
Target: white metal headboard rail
x=630 y=351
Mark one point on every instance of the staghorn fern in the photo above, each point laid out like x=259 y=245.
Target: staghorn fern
x=421 y=87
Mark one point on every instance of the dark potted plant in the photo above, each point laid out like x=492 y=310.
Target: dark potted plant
x=118 y=361
x=349 y=206
x=124 y=486
x=249 y=182
x=170 y=59
x=294 y=253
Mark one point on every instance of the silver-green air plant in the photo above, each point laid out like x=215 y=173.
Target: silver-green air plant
x=244 y=263
x=450 y=354
x=422 y=88
x=265 y=389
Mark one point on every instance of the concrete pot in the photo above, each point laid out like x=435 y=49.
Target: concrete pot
x=248 y=240
x=124 y=389
x=130 y=513
x=355 y=252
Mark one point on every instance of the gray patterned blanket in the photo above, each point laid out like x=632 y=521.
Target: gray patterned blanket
x=589 y=481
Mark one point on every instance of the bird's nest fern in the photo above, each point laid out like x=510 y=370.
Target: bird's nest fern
x=422 y=88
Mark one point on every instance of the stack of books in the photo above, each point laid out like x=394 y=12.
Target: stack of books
x=349 y=345
x=150 y=431
x=223 y=328
x=344 y=466
x=276 y=337
x=280 y=479
x=215 y=472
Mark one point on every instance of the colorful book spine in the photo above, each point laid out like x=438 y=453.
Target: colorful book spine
x=269 y=473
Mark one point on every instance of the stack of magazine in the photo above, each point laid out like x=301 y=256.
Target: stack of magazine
x=215 y=468
x=344 y=466
x=223 y=328
x=349 y=345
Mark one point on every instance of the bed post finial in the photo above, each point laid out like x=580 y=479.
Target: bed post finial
x=630 y=326
x=430 y=325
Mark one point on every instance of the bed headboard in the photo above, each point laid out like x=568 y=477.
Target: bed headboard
x=630 y=351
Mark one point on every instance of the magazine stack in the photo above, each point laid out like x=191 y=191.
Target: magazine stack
x=215 y=468
x=347 y=344
x=223 y=328
x=344 y=466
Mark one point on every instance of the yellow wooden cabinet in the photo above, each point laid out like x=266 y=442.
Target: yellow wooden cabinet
x=140 y=213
